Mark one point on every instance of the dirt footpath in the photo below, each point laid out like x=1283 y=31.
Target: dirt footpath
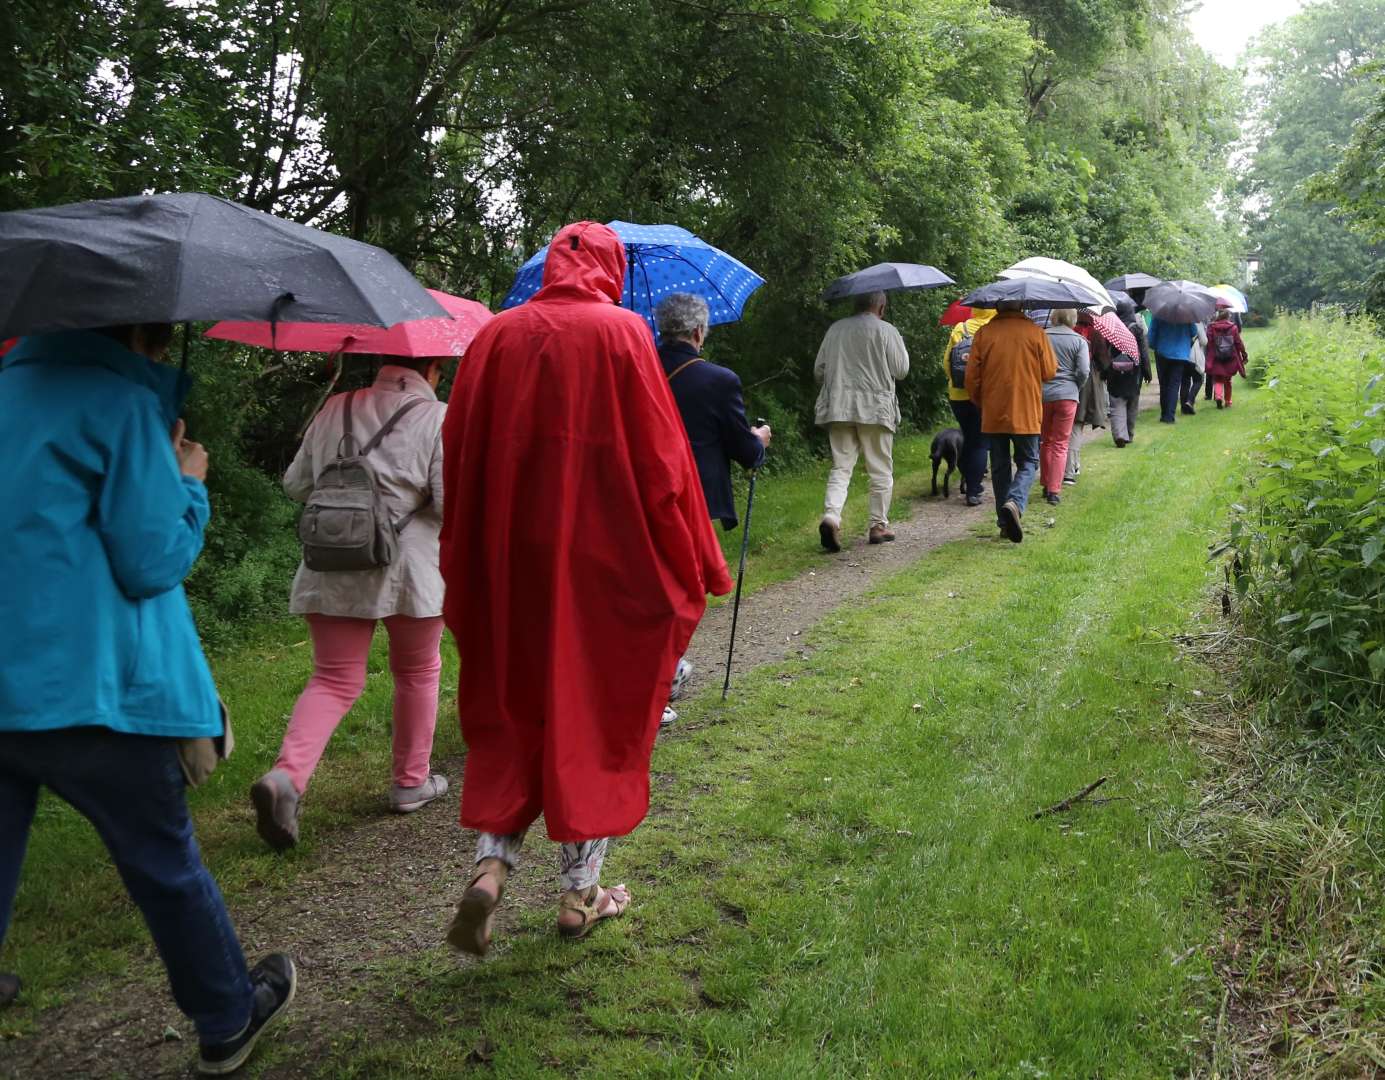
x=387 y=888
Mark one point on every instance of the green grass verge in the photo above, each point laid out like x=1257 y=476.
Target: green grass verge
x=841 y=875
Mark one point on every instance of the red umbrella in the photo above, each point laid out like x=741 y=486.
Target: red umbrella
x=1117 y=333
x=442 y=336
x=957 y=312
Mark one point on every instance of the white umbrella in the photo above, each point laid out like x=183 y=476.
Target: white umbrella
x=1232 y=296
x=1058 y=270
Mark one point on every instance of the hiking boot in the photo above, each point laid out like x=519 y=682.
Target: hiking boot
x=681 y=674
x=668 y=718
x=1121 y=444
x=1188 y=410
x=9 y=989
x=1220 y=403
x=1052 y=498
x=276 y=809
x=1010 y=521
x=830 y=533
x=880 y=534
x=405 y=800
x=273 y=982
x=973 y=500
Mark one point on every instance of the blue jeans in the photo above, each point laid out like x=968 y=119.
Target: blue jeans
x=1172 y=375
x=131 y=788
x=1026 y=464
x=974 y=446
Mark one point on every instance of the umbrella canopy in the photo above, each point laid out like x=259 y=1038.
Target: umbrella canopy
x=1122 y=298
x=1058 y=270
x=887 y=277
x=1233 y=296
x=957 y=312
x=1181 y=302
x=1126 y=282
x=448 y=335
x=190 y=258
x=1109 y=326
x=662 y=259
x=1031 y=293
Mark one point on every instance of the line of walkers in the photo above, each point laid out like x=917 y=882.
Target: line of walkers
x=1027 y=391
x=572 y=632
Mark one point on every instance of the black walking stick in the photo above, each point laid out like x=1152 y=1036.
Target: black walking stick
x=740 y=576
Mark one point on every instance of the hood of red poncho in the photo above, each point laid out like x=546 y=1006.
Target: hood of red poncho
x=585 y=259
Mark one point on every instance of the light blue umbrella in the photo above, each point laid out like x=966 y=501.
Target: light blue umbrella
x=660 y=260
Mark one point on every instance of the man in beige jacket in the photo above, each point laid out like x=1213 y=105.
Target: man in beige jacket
x=858 y=364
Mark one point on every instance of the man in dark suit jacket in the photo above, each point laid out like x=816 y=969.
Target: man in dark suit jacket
x=709 y=399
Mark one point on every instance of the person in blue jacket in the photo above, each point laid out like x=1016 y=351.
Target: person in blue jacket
x=713 y=409
x=1172 y=345
x=103 y=507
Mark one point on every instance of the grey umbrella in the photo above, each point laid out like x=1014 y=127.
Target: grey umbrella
x=1126 y=282
x=189 y=258
x=887 y=277
x=1181 y=302
x=1032 y=293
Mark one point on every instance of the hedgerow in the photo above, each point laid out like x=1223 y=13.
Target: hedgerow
x=1308 y=540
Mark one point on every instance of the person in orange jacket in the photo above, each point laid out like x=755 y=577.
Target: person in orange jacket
x=1010 y=361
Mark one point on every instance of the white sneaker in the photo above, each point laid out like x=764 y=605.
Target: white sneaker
x=680 y=680
x=405 y=800
x=668 y=718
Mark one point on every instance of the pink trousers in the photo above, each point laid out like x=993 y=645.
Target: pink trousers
x=340 y=649
x=1221 y=389
x=1054 y=437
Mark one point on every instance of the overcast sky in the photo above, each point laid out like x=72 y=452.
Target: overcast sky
x=1225 y=27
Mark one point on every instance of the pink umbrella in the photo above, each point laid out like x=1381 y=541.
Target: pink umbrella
x=440 y=336
x=1117 y=333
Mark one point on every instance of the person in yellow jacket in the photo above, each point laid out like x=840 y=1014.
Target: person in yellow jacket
x=974 y=444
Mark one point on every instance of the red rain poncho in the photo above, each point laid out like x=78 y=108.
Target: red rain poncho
x=576 y=548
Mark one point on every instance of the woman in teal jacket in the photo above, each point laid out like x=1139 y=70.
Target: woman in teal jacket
x=102 y=506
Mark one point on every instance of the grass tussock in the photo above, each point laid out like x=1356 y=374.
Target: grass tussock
x=1289 y=817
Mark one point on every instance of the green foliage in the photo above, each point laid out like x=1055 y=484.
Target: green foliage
x=1311 y=94
x=1309 y=541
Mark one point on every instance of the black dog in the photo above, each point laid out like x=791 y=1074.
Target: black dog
x=947 y=446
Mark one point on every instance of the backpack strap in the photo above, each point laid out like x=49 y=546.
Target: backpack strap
x=346 y=433
x=684 y=364
x=386 y=427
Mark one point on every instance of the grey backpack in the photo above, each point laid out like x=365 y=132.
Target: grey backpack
x=346 y=525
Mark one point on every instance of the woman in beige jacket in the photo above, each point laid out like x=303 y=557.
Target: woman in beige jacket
x=342 y=608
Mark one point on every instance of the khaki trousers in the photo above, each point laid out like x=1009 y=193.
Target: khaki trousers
x=876 y=444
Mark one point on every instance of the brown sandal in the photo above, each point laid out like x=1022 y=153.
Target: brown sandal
x=470 y=931
x=593 y=905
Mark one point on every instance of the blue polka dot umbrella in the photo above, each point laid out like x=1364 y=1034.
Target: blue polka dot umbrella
x=661 y=260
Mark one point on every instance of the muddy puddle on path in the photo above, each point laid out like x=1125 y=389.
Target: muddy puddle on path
x=387 y=888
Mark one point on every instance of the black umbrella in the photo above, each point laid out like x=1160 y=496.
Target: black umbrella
x=1181 y=302
x=887 y=277
x=1126 y=282
x=1032 y=293
x=189 y=258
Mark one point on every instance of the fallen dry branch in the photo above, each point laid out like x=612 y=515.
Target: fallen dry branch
x=1067 y=804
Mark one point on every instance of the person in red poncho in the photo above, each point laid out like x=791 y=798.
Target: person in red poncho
x=577 y=553
x=1226 y=354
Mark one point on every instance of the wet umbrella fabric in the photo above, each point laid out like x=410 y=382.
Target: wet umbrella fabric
x=1181 y=302
x=190 y=258
x=1126 y=282
x=1032 y=293
x=660 y=260
x=1109 y=326
x=1060 y=270
x=1233 y=296
x=447 y=335
x=957 y=312
x=887 y=277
